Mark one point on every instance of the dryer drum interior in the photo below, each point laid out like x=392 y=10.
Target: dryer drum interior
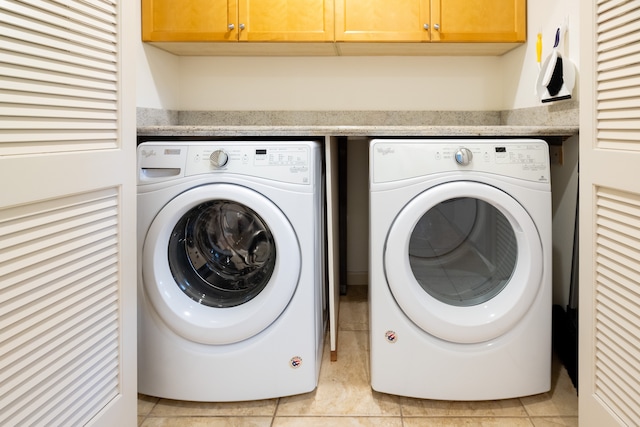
x=221 y=253
x=463 y=251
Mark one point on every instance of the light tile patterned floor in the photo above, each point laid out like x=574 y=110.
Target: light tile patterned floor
x=344 y=397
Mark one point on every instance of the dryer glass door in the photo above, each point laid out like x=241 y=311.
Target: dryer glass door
x=463 y=261
x=463 y=251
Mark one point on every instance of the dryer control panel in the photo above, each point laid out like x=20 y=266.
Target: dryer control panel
x=398 y=159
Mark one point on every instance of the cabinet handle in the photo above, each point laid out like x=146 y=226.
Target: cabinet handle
x=241 y=27
x=231 y=27
x=436 y=27
x=426 y=27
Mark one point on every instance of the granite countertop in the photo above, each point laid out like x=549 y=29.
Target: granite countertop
x=558 y=120
x=356 y=130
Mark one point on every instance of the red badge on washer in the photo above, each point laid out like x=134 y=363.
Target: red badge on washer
x=391 y=337
x=295 y=362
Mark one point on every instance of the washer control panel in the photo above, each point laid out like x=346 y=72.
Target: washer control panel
x=277 y=161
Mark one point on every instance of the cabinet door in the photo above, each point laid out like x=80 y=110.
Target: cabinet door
x=382 y=20
x=286 y=20
x=478 y=20
x=189 y=20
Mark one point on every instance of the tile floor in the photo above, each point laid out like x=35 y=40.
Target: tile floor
x=344 y=396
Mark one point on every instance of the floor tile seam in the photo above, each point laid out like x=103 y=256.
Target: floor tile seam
x=145 y=416
x=355 y=415
x=401 y=415
x=524 y=406
x=141 y=419
x=338 y=416
x=473 y=417
x=433 y=416
x=205 y=416
x=538 y=413
x=553 y=416
x=154 y=405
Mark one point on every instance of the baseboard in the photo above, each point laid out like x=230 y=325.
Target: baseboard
x=357 y=278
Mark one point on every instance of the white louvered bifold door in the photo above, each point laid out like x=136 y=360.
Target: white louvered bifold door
x=609 y=353
x=67 y=213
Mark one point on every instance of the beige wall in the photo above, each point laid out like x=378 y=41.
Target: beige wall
x=342 y=83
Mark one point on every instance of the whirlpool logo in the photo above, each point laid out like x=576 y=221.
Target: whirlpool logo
x=385 y=150
x=148 y=153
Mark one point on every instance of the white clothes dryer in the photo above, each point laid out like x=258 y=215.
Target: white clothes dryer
x=232 y=300
x=460 y=268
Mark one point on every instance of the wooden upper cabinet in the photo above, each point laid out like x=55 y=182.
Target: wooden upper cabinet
x=435 y=20
x=237 y=20
x=286 y=20
x=358 y=27
x=382 y=20
x=478 y=20
x=192 y=20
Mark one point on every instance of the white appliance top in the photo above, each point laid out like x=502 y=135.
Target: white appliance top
x=399 y=159
x=278 y=161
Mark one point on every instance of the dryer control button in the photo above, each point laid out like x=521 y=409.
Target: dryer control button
x=464 y=156
x=219 y=158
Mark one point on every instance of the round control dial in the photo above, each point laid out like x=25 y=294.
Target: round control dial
x=464 y=156
x=219 y=158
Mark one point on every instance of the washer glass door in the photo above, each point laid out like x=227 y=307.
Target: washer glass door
x=463 y=260
x=221 y=253
x=220 y=263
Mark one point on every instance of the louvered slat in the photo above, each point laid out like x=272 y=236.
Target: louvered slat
x=52 y=140
x=620 y=317
x=57 y=112
x=59 y=305
x=618 y=75
x=98 y=25
x=58 y=75
x=606 y=5
x=617 y=22
x=616 y=371
x=84 y=46
x=621 y=82
x=619 y=368
x=46 y=65
x=49 y=98
x=16 y=71
x=617 y=302
x=55 y=124
x=618 y=332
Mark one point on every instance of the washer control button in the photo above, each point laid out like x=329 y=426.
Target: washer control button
x=219 y=158
x=463 y=156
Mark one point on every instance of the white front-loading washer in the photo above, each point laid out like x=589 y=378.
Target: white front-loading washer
x=232 y=301
x=460 y=268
